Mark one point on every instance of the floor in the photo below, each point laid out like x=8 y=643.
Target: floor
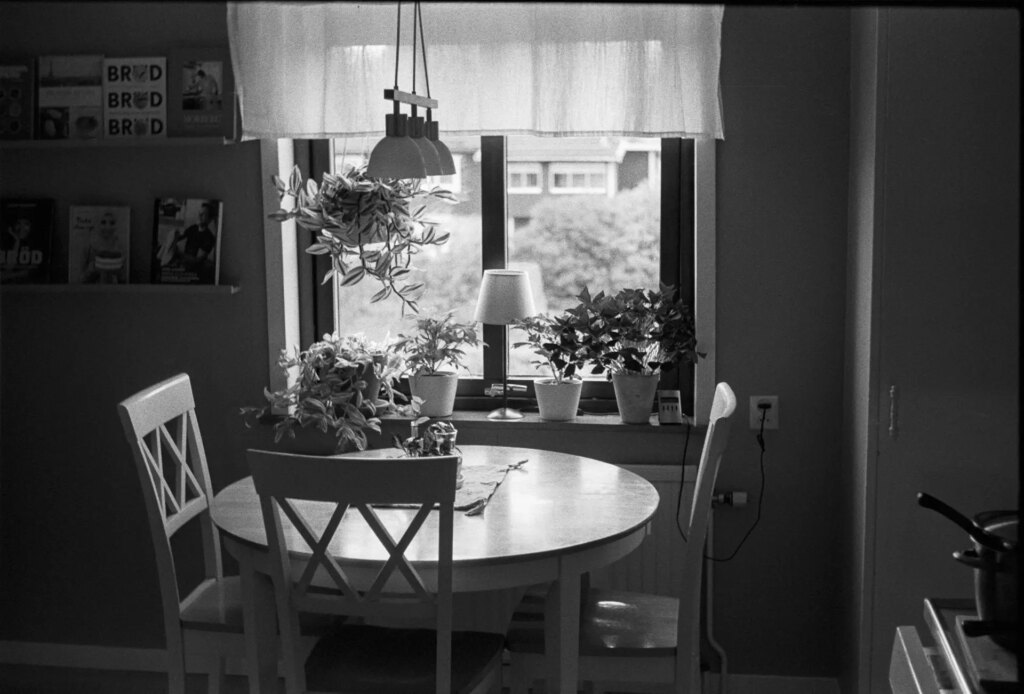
x=26 y=679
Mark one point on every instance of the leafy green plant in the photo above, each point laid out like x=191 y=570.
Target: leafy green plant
x=638 y=331
x=368 y=226
x=437 y=439
x=557 y=341
x=327 y=392
x=435 y=343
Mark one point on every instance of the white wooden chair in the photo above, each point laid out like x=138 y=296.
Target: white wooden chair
x=204 y=627
x=637 y=641
x=359 y=656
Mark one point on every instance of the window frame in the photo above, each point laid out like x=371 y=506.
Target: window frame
x=687 y=260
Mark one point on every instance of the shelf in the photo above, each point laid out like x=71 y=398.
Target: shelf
x=119 y=288
x=120 y=143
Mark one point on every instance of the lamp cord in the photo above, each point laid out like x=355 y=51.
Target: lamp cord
x=415 y=12
x=423 y=50
x=398 y=43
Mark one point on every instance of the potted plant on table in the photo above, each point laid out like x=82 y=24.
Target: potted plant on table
x=341 y=384
x=633 y=336
x=557 y=341
x=436 y=343
x=368 y=226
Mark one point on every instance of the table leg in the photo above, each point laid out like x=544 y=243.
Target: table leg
x=562 y=631
x=260 y=622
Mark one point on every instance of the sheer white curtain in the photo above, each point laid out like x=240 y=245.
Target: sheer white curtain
x=315 y=70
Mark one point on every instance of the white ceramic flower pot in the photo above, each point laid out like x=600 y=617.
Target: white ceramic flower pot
x=558 y=402
x=437 y=391
x=634 y=394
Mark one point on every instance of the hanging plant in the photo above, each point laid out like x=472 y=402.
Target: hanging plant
x=370 y=227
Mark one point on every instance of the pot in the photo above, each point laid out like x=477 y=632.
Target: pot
x=995 y=570
x=558 y=402
x=994 y=558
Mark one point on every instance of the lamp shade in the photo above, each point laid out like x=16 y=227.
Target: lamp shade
x=396 y=156
x=505 y=296
x=443 y=153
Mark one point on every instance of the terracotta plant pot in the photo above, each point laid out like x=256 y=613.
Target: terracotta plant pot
x=634 y=394
x=437 y=391
x=558 y=402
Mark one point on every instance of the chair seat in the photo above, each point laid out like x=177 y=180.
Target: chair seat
x=612 y=623
x=215 y=605
x=361 y=658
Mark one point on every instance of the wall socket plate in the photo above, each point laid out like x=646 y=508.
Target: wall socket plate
x=771 y=418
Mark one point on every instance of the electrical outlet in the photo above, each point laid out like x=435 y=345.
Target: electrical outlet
x=771 y=417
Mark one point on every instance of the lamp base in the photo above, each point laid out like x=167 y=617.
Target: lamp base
x=505 y=413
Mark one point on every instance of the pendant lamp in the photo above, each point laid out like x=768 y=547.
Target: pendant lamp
x=407 y=150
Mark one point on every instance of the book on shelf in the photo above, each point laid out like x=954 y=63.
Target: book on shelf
x=69 y=97
x=135 y=97
x=186 y=241
x=200 y=92
x=99 y=239
x=26 y=232
x=17 y=99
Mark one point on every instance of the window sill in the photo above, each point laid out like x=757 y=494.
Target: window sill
x=602 y=437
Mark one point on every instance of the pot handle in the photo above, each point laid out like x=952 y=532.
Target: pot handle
x=970 y=558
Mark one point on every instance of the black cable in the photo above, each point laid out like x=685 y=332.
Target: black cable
x=682 y=477
x=760 y=496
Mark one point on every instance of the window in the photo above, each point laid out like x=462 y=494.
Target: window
x=631 y=238
x=524 y=178
x=579 y=178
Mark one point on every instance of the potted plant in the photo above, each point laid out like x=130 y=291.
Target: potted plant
x=633 y=336
x=557 y=341
x=332 y=393
x=368 y=226
x=436 y=343
x=437 y=439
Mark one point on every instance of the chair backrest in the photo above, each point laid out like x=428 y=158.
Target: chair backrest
x=320 y=496
x=163 y=433
x=687 y=666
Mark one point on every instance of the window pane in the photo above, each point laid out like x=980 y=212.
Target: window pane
x=573 y=241
x=450 y=273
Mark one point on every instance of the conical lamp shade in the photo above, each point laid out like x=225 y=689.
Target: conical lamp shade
x=443 y=153
x=396 y=156
x=431 y=161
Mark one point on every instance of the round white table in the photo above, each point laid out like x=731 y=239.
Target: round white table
x=551 y=520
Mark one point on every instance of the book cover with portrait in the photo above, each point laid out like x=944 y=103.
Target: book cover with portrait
x=26 y=230
x=201 y=92
x=69 y=97
x=17 y=99
x=135 y=98
x=186 y=241
x=98 y=243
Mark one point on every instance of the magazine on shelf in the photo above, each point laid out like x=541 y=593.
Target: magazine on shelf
x=135 y=98
x=98 y=244
x=200 y=92
x=69 y=97
x=17 y=99
x=26 y=232
x=186 y=241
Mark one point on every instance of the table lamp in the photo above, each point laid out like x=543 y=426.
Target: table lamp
x=505 y=297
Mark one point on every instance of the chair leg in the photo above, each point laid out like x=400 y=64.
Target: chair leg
x=518 y=680
x=216 y=679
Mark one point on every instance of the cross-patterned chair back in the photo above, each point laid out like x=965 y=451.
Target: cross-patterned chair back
x=160 y=424
x=323 y=500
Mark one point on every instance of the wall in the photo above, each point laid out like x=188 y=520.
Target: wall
x=782 y=180
x=74 y=543
x=70 y=498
